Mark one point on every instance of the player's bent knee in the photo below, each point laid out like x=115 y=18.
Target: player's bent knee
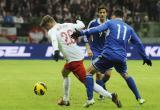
x=91 y=70
x=108 y=73
x=65 y=73
x=99 y=76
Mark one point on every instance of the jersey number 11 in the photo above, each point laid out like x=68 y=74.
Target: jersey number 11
x=119 y=31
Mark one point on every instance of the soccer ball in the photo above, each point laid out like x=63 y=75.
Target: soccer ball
x=40 y=88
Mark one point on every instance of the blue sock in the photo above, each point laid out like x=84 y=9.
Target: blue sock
x=99 y=82
x=133 y=87
x=89 y=86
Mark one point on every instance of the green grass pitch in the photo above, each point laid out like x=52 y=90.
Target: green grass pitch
x=17 y=79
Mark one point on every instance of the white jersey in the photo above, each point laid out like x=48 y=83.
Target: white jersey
x=61 y=40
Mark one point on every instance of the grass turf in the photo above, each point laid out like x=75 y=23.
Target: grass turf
x=17 y=79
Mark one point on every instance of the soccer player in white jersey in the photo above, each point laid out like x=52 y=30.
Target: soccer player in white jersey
x=60 y=35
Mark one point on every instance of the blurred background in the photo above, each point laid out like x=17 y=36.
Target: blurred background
x=19 y=19
x=22 y=17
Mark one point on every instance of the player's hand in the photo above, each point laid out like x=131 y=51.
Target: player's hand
x=75 y=34
x=147 y=61
x=56 y=55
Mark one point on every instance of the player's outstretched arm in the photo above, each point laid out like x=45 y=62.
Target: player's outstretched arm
x=139 y=46
x=90 y=31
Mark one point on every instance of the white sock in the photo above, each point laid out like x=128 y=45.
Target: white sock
x=66 y=88
x=97 y=88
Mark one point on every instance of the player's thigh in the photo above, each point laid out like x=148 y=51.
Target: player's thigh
x=79 y=70
x=102 y=64
x=95 y=55
x=121 y=67
x=91 y=70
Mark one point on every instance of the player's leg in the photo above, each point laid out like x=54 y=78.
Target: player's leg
x=89 y=78
x=99 y=78
x=79 y=71
x=99 y=64
x=99 y=81
x=89 y=83
x=132 y=85
x=100 y=90
x=66 y=87
x=106 y=77
x=122 y=68
x=99 y=75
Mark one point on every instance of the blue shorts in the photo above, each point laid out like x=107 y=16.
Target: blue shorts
x=102 y=64
x=95 y=55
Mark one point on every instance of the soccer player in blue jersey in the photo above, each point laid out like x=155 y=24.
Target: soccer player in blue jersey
x=114 y=53
x=95 y=44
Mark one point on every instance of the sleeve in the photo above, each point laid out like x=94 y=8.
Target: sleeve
x=78 y=25
x=138 y=44
x=97 y=29
x=54 y=40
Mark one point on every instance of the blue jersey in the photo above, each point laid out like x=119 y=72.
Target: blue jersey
x=117 y=40
x=96 y=40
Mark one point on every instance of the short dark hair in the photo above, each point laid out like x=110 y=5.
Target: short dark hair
x=102 y=7
x=118 y=13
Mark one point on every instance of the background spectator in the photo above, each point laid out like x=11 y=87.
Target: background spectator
x=29 y=12
x=8 y=19
x=18 y=18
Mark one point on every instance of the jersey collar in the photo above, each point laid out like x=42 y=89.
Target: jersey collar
x=99 y=22
x=119 y=19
